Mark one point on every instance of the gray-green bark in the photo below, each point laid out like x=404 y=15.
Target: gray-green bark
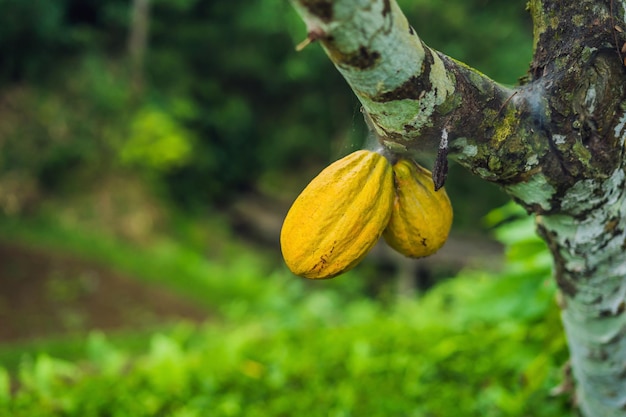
x=555 y=144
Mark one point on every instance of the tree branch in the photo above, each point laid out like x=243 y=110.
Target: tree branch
x=409 y=91
x=555 y=143
x=507 y=136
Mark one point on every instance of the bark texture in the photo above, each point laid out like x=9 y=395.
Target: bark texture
x=555 y=144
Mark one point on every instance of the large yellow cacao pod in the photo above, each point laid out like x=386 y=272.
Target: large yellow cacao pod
x=339 y=216
x=421 y=217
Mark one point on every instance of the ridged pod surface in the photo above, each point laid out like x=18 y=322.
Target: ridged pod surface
x=421 y=217
x=339 y=216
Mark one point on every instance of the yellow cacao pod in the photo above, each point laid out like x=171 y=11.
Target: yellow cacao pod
x=421 y=217
x=339 y=216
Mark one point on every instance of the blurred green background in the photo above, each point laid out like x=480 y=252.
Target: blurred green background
x=149 y=150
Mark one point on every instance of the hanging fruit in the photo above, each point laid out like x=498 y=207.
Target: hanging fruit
x=339 y=216
x=421 y=217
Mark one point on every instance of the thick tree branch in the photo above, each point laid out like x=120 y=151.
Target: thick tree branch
x=409 y=91
x=556 y=144
x=506 y=136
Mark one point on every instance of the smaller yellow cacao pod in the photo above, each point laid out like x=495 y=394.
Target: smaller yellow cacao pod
x=421 y=217
x=339 y=216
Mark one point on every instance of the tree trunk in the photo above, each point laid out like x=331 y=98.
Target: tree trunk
x=554 y=143
x=138 y=42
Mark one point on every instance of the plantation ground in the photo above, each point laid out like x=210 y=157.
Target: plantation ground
x=46 y=294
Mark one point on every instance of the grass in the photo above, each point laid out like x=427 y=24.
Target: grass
x=320 y=354
x=72 y=347
x=232 y=281
x=480 y=343
x=210 y=279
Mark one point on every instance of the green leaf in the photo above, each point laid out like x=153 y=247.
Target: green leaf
x=5 y=386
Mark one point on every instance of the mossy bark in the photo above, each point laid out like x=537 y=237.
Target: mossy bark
x=554 y=143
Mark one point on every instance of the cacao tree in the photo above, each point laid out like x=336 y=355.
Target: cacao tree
x=554 y=144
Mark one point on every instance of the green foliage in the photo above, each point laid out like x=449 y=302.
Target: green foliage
x=38 y=35
x=477 y=345
x=156 y=141
x=5 y=386
x=265 y=110
x=254 y=111
x=362 y=362
x=492 y=36
x=260 y=107
x=58 y=141
x=27 y=31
